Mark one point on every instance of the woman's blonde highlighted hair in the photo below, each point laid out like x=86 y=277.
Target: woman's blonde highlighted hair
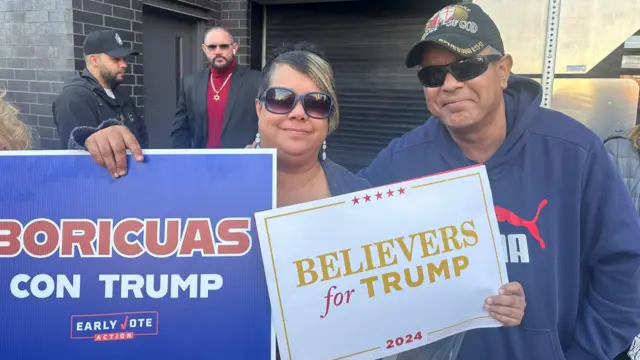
x=309 y=60
x=635 y=135
x=14 y=134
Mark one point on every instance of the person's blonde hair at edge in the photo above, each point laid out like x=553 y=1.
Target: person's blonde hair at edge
x=14 y=134
x=635 y=135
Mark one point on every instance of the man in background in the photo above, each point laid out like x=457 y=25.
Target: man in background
x=216 y=106
x=92 y=97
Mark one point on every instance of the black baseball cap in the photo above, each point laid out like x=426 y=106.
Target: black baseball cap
x=106 y=42
x=463 y=28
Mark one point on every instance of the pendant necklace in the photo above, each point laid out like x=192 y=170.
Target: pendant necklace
x=216 y=97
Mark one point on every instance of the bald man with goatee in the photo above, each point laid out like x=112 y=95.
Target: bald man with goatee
x=216 y=107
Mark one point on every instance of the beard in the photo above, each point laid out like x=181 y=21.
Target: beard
x=111 y=78
x=222 y=66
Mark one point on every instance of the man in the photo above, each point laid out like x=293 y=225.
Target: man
x=570 y=229
x=216 y=107
x=571 y=232
x=92 y=97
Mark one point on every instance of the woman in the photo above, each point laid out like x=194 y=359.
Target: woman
x=626 y=156
x=297 y=108
x=14 y=134
x=624 y=151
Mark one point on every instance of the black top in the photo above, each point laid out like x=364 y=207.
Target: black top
x=84 y=103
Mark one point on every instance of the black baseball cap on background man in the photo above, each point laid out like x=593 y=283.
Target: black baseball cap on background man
x=106 y=42
x=463 y=28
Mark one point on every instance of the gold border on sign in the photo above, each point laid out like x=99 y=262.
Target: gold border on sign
x=275 y=273
x=273 y=261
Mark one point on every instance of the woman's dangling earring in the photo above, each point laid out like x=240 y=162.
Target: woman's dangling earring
x=257 y=140
x=324 y=150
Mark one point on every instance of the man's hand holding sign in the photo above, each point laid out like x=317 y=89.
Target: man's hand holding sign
x=386 y=270
x=508 y=307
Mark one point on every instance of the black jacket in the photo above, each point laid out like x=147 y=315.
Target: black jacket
x=240 y=124
x=84 y=103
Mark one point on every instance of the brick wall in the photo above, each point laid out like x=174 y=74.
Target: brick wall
x=41 y=46
x=213 y=5
x=36 y=56
x=236 y=16
x=124 y=16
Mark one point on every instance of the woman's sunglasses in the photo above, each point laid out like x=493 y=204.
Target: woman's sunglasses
x=281 y=101
x=463 y=70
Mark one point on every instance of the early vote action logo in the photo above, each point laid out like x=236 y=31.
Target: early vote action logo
x=130 y=267
x=113 y=327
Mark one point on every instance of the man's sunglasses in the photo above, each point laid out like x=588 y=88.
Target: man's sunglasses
x=221 y=46
x=463 y=70
x=281 y=101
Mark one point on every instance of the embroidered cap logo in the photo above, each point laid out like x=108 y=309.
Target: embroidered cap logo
x=452 y=12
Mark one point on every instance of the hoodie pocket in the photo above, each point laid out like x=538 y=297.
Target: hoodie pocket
x=545 y=344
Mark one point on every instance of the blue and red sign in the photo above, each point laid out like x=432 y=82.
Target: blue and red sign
x=163 y=263
x=118 y=326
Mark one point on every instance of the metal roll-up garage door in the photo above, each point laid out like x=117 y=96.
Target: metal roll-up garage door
x=366 y=43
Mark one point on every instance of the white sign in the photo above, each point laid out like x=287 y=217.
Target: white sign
x=385 y=270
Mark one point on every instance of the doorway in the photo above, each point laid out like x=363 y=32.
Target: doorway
x=373 y=86
x=170 y=50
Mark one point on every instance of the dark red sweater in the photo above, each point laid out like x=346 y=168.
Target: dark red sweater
x=215 y=109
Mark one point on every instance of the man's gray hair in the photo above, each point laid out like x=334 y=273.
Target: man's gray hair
x=492 y=50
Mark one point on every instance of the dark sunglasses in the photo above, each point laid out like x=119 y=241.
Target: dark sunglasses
x=463 y=70
x=221 y=46
x=281 y=101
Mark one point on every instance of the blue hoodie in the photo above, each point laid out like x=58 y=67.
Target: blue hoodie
x=577 y=252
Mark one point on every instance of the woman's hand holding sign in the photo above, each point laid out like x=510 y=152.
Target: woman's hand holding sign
x=508 y=307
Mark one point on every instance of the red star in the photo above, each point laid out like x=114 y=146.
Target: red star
x=378 y=195
x=401 y=191
x=390 y=193
x=367 y=198
x=356 y=200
